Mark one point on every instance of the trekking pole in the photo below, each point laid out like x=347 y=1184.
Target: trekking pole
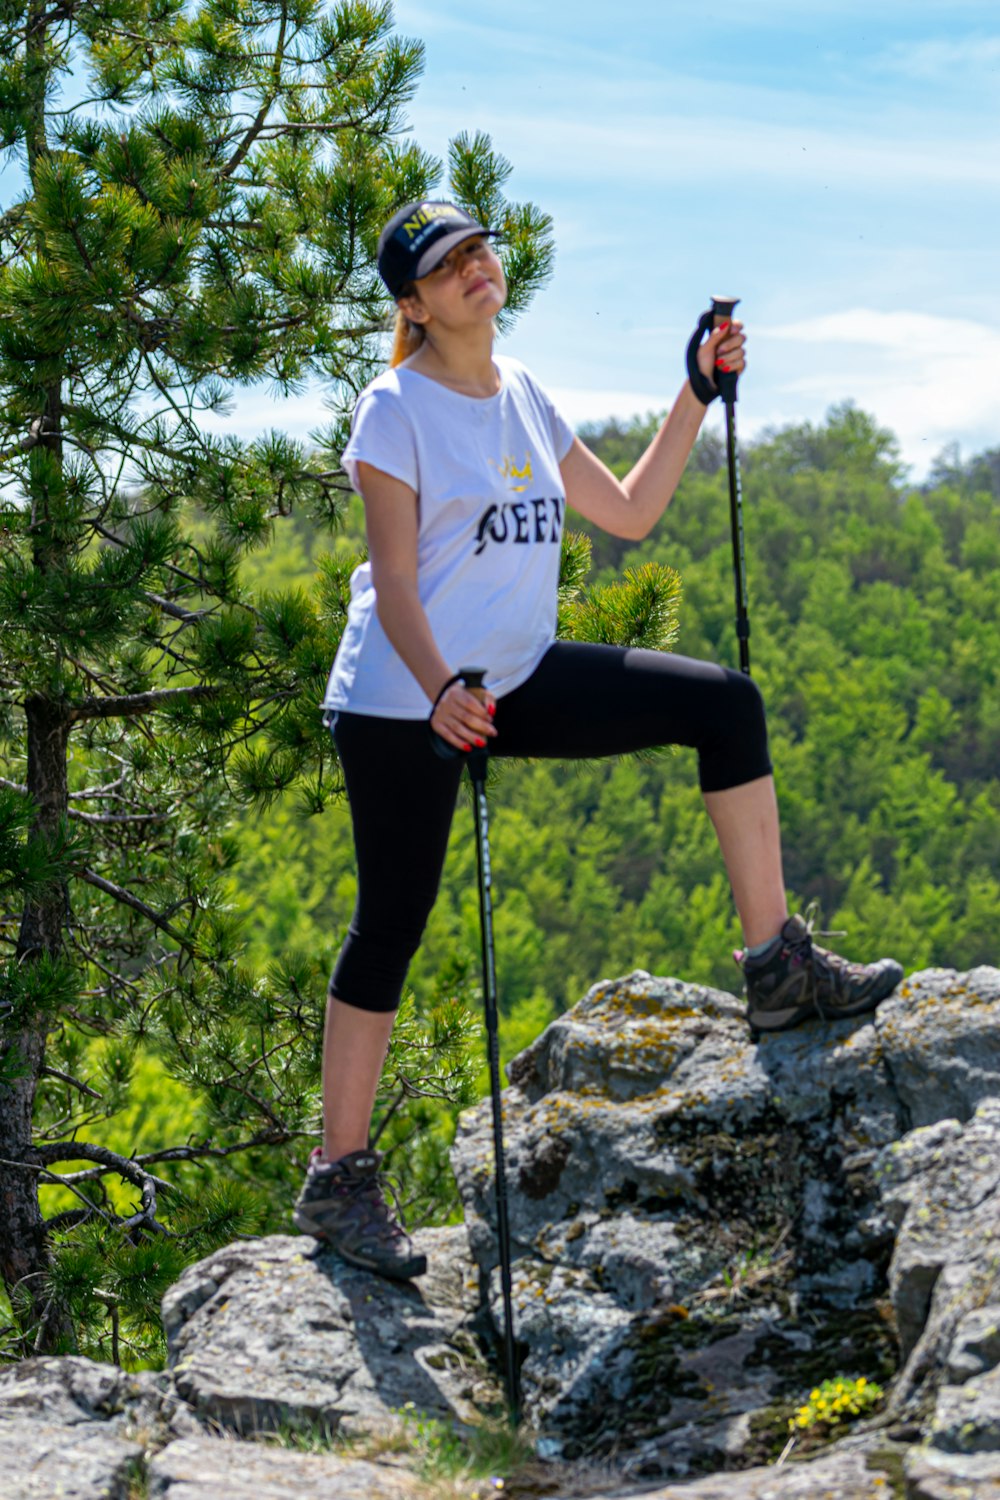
x=477 y=760
x=722 y=312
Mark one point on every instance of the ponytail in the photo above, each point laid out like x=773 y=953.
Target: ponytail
x=406 y=336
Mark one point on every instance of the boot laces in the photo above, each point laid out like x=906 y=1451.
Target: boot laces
x=811 y=916
x=837 y=968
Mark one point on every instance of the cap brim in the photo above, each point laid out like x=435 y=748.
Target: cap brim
x=435 y=254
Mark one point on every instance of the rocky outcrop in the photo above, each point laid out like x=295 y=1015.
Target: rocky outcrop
x=704 y=1229
x=76 y=1429
x=270 y=1328
x=71 y=1429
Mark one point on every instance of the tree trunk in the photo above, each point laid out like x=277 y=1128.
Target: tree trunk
x=24 y=1255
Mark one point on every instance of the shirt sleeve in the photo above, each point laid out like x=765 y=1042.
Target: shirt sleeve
x=562 y=433
x=381 y=435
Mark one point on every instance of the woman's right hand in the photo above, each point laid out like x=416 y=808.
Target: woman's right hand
x=464 y=719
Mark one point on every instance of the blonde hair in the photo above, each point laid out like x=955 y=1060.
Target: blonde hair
x=406 y=336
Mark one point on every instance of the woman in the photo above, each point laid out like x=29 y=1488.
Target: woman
x=465 y=468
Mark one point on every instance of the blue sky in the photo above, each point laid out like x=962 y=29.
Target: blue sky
x=834 y=164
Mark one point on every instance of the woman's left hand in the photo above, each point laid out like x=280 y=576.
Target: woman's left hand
x=724 y=348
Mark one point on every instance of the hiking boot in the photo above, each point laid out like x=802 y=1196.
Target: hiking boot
x=794 y=979
x=341 y=1202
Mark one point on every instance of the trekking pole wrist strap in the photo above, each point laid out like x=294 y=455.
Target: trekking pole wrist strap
x=456 y=677
x=703 y=388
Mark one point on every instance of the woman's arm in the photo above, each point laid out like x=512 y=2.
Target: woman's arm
x=632 y=506
x=391 y=523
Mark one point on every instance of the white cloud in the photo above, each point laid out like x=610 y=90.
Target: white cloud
x=665 y=147
x=902 y=332
x=579 y=405
x=933 y=380
x=942 y=58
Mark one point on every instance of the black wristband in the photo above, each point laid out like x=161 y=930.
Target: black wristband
x=703 y=389
x=450 y=683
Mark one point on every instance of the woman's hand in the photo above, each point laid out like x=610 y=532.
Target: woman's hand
x=464 y=719
x=724 y=348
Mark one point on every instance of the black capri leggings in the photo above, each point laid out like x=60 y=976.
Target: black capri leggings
x=581 y=702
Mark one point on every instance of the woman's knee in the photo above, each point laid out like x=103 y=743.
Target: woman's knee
x=371 y=969
x=736 y=752
x=747 y=699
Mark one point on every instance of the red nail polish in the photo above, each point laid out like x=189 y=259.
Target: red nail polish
x=492 y=710
x=721 y=366
x=481 y=744
x=466 y=747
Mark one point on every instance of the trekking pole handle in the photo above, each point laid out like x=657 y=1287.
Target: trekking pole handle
x=473 y=680
x=722 y=312
x=478 y=755
x=473 y=677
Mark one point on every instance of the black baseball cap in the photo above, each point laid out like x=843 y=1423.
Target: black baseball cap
x=418 y=237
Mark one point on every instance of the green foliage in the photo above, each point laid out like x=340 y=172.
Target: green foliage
x=487 y=1452
x=835 y=1402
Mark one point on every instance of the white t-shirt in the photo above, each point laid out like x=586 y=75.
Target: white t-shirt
x=490 y=505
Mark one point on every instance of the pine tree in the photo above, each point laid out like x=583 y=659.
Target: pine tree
x=203 y=189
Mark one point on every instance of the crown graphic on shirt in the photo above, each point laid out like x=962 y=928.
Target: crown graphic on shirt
x=509 y=470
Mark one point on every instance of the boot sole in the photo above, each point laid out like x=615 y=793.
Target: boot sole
x=415 y=1266
x=780 y=1020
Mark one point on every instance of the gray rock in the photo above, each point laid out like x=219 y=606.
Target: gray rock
x=901 y=1169
x=958 y=1070
x=853 y=1470
x=73 y=1427
x=280 y=1329
x=71 y=1391
x=208 y=1468
x=78 y=1461
x=66 y=1391
x=933 y=1475
x=976 y=1345
x=701 y=1226
x=946 y=1261
x=967 y=1417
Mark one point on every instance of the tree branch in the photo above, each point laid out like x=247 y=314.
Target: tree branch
x=258 y=124
x=34 y=437
x=12 y=217
x=127 y=899
x=169 y=608
x=101 y=819
x=84 y=1088
x=192 y=1153
x=137 y=703
x=126 y=1167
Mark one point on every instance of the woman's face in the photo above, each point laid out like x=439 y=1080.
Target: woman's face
x=467 y=287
